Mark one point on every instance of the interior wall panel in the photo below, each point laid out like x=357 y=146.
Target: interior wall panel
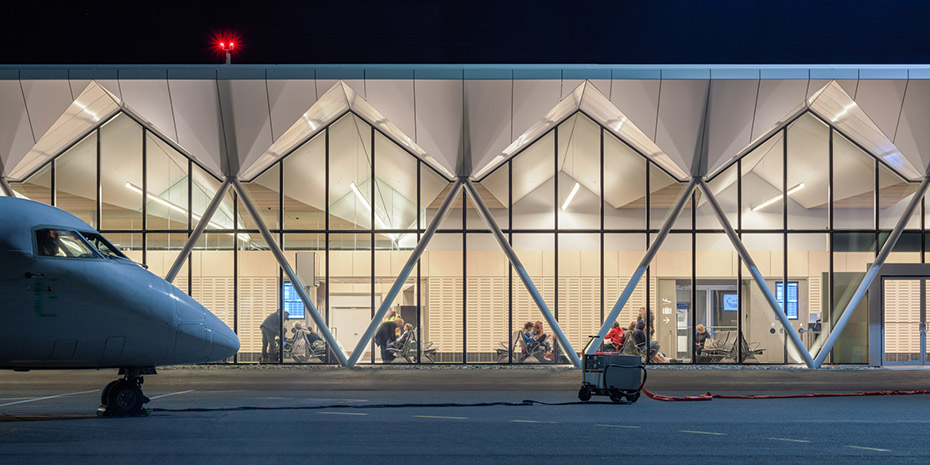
x=777 y=98
x=289 y=99
x=394 y=99
x=488 y=109
x=149 y=99
x=439 y=119
x=197 y=112
x=881 y=100
x=15 y=133
x=680 y=123
x=913 y=138
x=732 y=103
x=46 y=100
x=638 y=99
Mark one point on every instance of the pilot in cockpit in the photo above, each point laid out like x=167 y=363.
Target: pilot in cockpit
x=47 y=242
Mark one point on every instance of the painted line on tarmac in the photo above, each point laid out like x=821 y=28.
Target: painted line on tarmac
x=441 y=418
x=47 y=397
x=341 y=413
x=171 y=394
x=532 y=421
x=869 y=448
x=788 y=439
x=702 y=432
x=619 y=426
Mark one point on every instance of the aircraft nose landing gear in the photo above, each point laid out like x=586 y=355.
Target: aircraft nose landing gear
x=124 y=397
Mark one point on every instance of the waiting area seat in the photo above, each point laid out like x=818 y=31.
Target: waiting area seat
x=724 y=347
x=408 y=351
x=521 y=350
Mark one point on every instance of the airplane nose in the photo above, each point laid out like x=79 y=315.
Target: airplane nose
x=225 y=341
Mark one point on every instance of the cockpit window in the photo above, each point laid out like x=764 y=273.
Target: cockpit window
x=102 y=245
x=62 y=243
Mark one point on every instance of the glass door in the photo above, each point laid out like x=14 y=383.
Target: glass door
x=904 y=314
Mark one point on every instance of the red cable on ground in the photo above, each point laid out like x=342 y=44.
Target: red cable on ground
x=709 y=396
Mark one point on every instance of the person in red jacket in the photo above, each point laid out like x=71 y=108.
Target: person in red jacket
x=613 y=341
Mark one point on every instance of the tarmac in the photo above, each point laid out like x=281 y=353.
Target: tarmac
x=463 y=414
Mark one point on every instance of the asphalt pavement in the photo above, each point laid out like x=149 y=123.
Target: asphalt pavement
x=297 y=415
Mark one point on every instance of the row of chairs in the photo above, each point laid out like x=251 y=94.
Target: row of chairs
x=408 y=351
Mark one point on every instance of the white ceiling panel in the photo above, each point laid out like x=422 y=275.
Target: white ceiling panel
x=881 y=100
x=149 y=99
x=913 y=138
x=394 y=99
x=639 y=101
x=358 y=85
x=568 y=85
x=439 y=119
x=46 y=100
x=681 y=119
x=289 y=98
x=777 y=99
x=197 y=113
x=246 y=119
x=732 y=104
x=487 y=107
x=15 y=133
x=849 y=86
x=112 y=85
x=532 y=100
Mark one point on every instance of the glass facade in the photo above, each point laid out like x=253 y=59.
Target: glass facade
x=579 y=207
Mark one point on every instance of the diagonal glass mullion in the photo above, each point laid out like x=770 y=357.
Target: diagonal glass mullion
x=521 y=271
x=198 y=230
x=756 y=274
x=289 y=271
x=404 y=274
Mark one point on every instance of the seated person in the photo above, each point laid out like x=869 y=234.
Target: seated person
x=404 y=337
x=540 y=336
x=386 y=335
x=699 y=339
x=527 y=334
x=614 y=339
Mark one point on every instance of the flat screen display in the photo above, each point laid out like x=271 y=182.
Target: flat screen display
x=292 y=303
x=789 y=304
x=730 y=302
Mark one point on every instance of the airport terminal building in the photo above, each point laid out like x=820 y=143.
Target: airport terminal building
x=779 y=209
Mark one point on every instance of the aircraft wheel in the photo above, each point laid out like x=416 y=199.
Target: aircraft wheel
x=125 y=398
x=105 y=394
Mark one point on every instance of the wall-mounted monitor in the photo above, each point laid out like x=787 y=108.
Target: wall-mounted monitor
x=789 y=304
x=292 y=303
x=731 y=302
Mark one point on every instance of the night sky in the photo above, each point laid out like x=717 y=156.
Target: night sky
x=478 y=31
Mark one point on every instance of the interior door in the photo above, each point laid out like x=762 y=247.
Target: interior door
x=904 y=320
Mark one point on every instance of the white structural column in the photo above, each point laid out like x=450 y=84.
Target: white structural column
x=641 y=269
x=198 y=230
x=521 y=271
x=405 y=273
x=282 y=260
x=871 y=274
x=5 y=186
x=756 y=274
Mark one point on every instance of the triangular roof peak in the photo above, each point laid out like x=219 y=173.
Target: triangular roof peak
x=92 y=107
x=587 y=99
x=332 y=105
x=835 y=107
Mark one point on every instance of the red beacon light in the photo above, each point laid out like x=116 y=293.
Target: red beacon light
x=232 y=45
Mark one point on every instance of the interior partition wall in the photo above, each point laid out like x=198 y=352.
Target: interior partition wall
x=579 y=206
